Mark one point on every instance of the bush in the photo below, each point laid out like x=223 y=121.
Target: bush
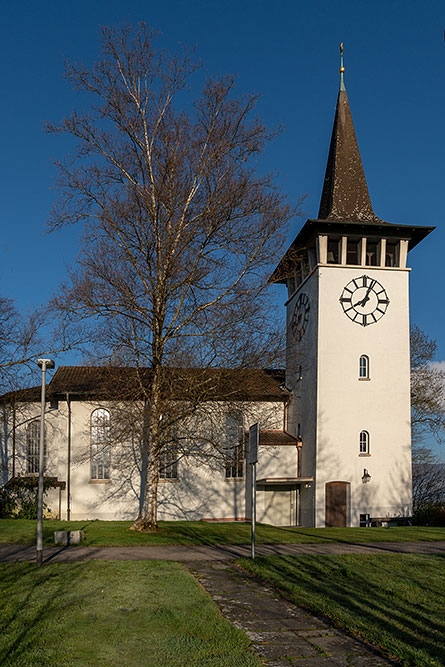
x=430 y=515
x=18 y=498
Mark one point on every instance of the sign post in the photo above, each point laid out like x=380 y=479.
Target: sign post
x=254 y=436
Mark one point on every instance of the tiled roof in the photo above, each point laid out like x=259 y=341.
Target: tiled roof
x=345 y=193
x=189 y=383
x=277 y=438
x=28 y=395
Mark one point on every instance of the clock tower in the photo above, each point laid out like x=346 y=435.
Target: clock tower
x=348 y=353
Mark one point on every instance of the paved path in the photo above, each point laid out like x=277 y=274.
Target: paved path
x=11 y=553
x=281 y=633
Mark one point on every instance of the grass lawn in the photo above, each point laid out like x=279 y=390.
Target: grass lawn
x=117 y=533
x=394 y=601
x=113 y=613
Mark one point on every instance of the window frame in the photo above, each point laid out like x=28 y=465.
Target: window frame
x=234 y=445
x=168 y=462
x=100 y=446
x=363 y=368
x=33 y=441
x=364 y=443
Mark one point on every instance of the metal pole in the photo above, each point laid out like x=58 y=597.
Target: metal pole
x=41 y=465
x=44 y=364
x=253 y=511
x=68 y=475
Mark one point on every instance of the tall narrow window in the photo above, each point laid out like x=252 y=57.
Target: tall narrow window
x=100 y=444
x=364 y=442
x=168 y=463
x=234 y=446
x=33 y=447
x=364 y=367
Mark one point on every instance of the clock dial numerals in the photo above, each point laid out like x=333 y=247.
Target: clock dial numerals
x=300 y=316
x=364 y=300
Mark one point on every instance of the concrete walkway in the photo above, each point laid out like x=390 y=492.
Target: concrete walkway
x=281 y=633
x=12 y=553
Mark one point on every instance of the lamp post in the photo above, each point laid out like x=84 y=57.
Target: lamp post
x=44 y=364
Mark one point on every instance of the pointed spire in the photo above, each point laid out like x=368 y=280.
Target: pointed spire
x=345 y=194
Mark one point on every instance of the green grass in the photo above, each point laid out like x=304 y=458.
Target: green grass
x=394 y=601
x=113 y=613
x=117 y=533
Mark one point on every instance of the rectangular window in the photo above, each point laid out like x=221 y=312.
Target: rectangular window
x=391 y=256
x=33 y=448
x=352 y=252
x=365 y=520
x=333 y=251
x=371 y=253
x=168 y=464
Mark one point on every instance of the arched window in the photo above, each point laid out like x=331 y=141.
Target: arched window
x=363 y=372
x=33 y=447
x=364 y=442
x=100 y=444
x=234 y=444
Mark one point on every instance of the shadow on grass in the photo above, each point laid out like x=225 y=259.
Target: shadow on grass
x=396 y=601
x=38 y=609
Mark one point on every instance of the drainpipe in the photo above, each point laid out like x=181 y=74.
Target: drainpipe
x=68 y=472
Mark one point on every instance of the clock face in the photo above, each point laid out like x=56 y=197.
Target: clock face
x=364 y=300
x=300 y=316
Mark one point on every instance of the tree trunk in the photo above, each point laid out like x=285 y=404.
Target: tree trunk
x=148 y=516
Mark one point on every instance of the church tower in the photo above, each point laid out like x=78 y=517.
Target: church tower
x=348 y=354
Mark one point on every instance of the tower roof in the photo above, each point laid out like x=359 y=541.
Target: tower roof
x=345 y=195
x=345 y=206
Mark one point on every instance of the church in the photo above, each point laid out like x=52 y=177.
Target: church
x=335 y=437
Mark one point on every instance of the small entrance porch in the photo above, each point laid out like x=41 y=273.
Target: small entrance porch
x=279 y=500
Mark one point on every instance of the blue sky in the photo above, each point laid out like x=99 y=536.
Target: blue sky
x=285 y=50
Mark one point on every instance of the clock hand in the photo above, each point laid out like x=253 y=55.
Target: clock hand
x=365 y=299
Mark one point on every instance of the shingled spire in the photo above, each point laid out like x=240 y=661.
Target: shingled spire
x=345 y=194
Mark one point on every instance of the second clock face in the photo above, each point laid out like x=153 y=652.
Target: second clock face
x=300 y=316
x=364 y=300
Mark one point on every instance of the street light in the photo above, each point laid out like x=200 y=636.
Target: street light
x=44 y=364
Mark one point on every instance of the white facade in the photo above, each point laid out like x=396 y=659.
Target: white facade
x=335 y=435
x=201 y=489
x=333 y=405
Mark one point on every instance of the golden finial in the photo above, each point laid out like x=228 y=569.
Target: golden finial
x=342 y=69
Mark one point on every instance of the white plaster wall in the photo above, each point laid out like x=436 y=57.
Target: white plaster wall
x=303 y=407
x=201 y=491
x=381 y=406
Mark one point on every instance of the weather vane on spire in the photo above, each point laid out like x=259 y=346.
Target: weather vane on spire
x=342 y=69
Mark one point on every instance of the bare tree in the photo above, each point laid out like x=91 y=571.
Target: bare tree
x=428 y=478
x=427 y=389
x=180 y=233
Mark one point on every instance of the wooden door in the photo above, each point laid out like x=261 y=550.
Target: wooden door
x=336 y=504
